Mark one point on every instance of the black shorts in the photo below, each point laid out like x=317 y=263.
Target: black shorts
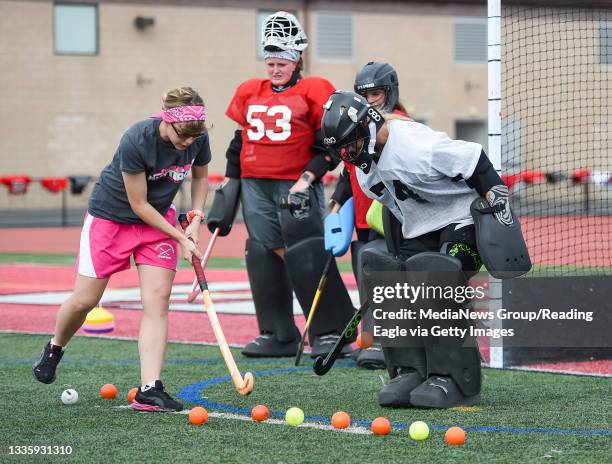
x=455 y=240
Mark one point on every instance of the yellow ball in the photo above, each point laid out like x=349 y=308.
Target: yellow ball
x=419 y=431
x=294 y=416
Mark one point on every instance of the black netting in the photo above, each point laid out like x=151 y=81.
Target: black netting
x=556 y=64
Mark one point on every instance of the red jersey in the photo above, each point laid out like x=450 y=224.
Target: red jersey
x=278 y=127
x=361 y=201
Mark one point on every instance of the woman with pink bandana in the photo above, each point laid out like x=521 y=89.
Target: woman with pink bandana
x=130 y=214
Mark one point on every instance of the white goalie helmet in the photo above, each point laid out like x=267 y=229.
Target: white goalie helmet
x=282 y=31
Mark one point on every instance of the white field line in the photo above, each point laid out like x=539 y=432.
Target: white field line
x=312 y=425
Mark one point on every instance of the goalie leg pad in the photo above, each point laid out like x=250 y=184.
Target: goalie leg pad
x=501 y=247
x=305 y=261
x=372 y=357
x=381 y=268
x=271 y=289
x=454 y=357
x=224 y=207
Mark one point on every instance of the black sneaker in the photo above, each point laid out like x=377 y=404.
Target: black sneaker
x=44 y=369
x=267 y=345
x=371 y=358
x=155 y=399
x=323 y=344
x=396 y=394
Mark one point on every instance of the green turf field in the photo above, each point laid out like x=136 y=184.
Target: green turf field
x=238 y=263
x=59 y=258
x=571 y=413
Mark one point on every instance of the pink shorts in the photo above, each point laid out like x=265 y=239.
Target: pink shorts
x=106 y=246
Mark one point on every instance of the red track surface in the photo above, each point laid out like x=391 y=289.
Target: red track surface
x=569 y=240
x=552 y=241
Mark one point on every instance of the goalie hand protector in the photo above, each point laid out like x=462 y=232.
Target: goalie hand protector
x=497 y=197
x=499 y=238
x=339 y=229
x=298 y=204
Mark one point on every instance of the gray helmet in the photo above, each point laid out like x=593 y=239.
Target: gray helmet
x=347 y=120
x=376 y=75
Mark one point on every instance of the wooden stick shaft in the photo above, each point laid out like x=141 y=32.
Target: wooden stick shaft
x=223 y=346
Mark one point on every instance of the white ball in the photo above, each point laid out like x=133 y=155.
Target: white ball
x=70 y=396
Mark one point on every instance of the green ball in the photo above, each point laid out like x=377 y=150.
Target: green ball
x=418 y=431
x=294 y=416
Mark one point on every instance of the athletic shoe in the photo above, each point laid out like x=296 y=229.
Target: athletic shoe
x=323 y=344
x=155 y=399
x=441 y=393
x=371 y=358
x=267 y=345
x=44 y=368
x=396 y=394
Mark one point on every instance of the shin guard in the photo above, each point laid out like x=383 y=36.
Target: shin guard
x=271 y=289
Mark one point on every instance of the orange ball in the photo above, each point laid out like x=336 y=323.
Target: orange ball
x=132 y=394
x=381 y=426
x=260 y=413
x=198 y=415
x=365 y=340
x=108 y=391
x=340 y=420
x=455 y=436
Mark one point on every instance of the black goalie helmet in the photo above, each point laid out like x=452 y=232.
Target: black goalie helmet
x=375 y=75
x=349 y=128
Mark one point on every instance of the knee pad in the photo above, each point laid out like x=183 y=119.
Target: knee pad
x=271 y=289
x=377 y=265
x=305 y=261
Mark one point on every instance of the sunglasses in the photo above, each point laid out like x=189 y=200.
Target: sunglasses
x=184 y=136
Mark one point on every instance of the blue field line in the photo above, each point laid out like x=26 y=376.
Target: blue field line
x=192 y=394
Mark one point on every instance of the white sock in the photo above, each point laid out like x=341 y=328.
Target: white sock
x=53 y=343
x=147 y=386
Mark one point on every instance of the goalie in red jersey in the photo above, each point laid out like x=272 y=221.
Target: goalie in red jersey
x=278 y=155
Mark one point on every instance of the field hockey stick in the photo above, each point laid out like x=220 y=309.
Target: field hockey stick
x=322 y=366
x=195 y=288
x=313 y=307
x=243 y=385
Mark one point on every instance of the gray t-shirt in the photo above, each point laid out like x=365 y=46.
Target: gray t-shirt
x=142 y=149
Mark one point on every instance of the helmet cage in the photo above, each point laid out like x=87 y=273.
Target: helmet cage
x=282 y=31
x=349 y=149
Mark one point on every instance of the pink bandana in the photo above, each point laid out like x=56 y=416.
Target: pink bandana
x=182 y=114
